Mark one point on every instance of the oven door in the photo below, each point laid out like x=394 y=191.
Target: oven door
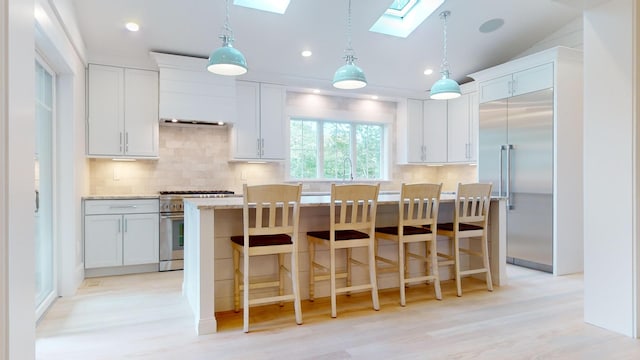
x=171 y=242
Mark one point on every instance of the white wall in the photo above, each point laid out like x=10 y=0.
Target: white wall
x=18 y=143
x=4 y=238
x=610 y=173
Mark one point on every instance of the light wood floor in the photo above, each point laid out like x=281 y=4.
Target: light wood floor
x=537 y=316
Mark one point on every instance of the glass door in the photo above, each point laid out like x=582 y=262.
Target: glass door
x=46 y=284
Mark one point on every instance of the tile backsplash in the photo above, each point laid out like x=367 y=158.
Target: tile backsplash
x=196 y=158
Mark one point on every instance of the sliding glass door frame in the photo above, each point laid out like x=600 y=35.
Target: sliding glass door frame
x=48 y=199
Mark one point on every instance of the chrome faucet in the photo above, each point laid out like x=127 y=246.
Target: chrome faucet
x=344 y=170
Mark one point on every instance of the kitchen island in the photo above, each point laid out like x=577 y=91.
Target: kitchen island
x=209 y=224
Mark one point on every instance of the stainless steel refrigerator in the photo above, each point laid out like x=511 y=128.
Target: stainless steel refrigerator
x=516 y=155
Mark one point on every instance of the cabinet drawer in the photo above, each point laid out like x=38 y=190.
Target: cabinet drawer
x=128 y=206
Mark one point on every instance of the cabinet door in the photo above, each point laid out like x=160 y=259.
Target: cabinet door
x=102 y=241
x=272 y=102
x=499 y=88
x=140 y=239
x=474 y=126
x=435 y=131
x=458 y=129
x=106 y=111
x=534 y=79
x=246 y=130
x=141 y=113
x=415 y=132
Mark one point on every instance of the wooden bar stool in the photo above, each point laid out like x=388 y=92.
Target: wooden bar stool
x=270 y=220
x=470 y=219
x=352 y=224
x=417 y=223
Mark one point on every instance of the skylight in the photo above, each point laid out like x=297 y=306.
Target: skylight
x=404 y=16
x=275 y=6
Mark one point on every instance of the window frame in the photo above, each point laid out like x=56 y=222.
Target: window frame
x=353 y=154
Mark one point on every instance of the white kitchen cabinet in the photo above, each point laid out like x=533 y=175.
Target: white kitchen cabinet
x=462 y=125
x=518 y=83
x=120 y=233
x=258 y=132
x=426 y=131
x=435 y=131
x=123 y=112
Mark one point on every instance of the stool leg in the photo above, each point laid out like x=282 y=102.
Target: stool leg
x=372 y=276
x=433 y=269
x=485 y=260
x=402 y=269
x=332 y=270
x=236 y=280
x=349 y=254
x=296 y=285
x=456 y=251
x=312 y=269
x=281 y=276
x=246 y=290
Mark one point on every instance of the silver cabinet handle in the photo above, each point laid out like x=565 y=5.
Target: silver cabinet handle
x=123 y=206
x=509 y=204
x=501 y=167
x=258 y=146
x=126 y=222
x=172 y=217
x=262 y=146
x=119 y=225
x=126 y=142
x=121 y=141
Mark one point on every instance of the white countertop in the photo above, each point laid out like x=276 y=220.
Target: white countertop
x=306 y=200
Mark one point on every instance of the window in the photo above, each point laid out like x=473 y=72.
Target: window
x=332 y=150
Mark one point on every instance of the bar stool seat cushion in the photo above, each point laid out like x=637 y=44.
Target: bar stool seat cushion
x=407 y=230
x=340 y=235
x=462 y=227
x=263 y=240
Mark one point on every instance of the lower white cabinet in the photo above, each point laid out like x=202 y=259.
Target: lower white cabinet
x=119 y=233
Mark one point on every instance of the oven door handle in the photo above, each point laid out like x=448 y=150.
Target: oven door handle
x=172 y=217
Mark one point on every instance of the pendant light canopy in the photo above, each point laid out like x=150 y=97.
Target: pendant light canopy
x=445 y=88
x=227 y=60
x=349 y=76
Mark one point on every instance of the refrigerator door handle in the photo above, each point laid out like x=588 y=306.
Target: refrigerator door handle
x=500 y=175
x=509 y=204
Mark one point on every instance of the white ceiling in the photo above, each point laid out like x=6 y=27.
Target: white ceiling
x=272 y=43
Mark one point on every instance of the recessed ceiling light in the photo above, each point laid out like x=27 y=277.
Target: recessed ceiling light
x=374 y=97
x=491 y=25
x=307 y=53
x=428 y=71
x=316 y=91
x=131 y=26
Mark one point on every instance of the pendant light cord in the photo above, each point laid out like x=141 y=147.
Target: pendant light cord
x=349 y=47
x=227 y=28
x=445 y=64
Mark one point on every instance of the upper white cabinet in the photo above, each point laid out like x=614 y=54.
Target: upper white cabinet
x=123 y=112
x=258 y=132
x=427 y=131
x=520 y=82
x=439 y=131
x=462 y=128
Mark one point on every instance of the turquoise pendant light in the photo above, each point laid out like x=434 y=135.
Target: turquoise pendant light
x=349 y=76
x=445 y=88
x=227 y=60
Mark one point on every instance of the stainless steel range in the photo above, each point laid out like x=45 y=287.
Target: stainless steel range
x=172 y=225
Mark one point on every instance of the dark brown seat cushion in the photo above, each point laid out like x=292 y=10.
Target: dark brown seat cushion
x=263 y=240
x=462 y=227
x=340 y=235
x=408 y=230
